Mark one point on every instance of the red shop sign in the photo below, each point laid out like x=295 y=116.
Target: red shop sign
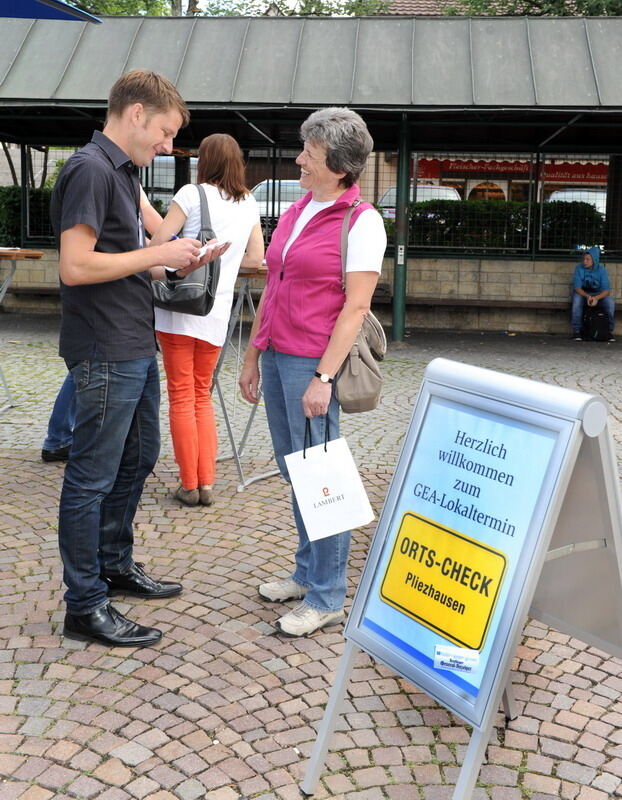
x=564 y=172
x=568 y=172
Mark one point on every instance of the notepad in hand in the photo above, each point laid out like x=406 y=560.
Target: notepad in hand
x=210 y=246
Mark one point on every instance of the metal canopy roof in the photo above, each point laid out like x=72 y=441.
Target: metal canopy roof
x=43 y=9
x=493 y=83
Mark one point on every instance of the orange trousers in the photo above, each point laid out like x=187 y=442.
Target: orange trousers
x=189 y=364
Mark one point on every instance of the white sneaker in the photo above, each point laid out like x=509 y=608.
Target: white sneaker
x=304 y=619
x=279 y=591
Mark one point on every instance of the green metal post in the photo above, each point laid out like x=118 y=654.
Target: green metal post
x=25 y=178
x=401 y=231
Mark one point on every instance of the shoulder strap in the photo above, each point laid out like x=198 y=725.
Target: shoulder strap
x=206 y=222
x=345 y=229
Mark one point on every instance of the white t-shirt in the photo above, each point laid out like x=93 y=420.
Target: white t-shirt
x=232 y=222
x=367 y=238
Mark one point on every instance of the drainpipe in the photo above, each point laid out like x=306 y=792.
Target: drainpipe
x=401 y=231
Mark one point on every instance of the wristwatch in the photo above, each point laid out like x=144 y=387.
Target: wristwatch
x=173 y=274
x=323 y=377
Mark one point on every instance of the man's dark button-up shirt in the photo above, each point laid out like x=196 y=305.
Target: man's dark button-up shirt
x=112 y=321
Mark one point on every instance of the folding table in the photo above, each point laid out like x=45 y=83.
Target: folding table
x=243 y=300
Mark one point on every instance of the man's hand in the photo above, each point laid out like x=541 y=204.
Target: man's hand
x=180 y=253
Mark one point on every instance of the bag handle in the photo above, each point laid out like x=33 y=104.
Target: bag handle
x=206 y=222
x=345 y=229
x=308 y=441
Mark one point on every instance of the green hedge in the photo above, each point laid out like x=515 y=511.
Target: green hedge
x=10 y=210
x=500 y=225
x=566 y=225
x=10 y=225
x=469 y=224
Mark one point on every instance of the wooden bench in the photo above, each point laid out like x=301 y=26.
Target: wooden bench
x=462 y=302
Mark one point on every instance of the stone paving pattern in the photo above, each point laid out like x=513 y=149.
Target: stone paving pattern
x=224 y=708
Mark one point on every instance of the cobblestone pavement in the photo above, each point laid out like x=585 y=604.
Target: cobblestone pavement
x=224 y=708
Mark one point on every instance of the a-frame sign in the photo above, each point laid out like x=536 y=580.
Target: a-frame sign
x=504 y=502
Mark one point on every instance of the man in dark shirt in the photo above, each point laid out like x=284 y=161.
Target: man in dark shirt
x=108 y=342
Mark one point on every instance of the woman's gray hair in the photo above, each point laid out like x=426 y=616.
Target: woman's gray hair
x=345 y=136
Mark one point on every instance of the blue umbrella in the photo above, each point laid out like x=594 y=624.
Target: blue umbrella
x=43 y=9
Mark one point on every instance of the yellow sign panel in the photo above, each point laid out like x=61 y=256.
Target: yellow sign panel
x=444 y=580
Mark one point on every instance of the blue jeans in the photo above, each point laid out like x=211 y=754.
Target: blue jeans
x=320 y=565
x=116 y=442
x=578 y=304
x=63 y=417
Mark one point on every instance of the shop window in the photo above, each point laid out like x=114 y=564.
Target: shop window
x=487 y=190
x=519 y=192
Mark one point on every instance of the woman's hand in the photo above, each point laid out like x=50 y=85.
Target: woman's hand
x=249 y=381
x=316 y=399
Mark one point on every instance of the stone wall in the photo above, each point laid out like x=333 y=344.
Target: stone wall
x=35 y=289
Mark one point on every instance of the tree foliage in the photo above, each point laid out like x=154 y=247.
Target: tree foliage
x=235 y=8
x=327 y=8
x=535 y=8
x=129 y=8
x=125 y=8
x=310 y=8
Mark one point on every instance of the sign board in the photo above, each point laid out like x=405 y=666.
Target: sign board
x=443 y=580
x=464 y=533
x=462 y=525
x=551 y=171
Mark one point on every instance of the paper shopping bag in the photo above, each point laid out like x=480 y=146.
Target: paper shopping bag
x=328 y=488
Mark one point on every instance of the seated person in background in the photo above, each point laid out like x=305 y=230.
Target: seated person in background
x=591 y=285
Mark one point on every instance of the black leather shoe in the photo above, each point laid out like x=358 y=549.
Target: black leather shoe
x=137 y=583
x=107 y=626
x=60 y=454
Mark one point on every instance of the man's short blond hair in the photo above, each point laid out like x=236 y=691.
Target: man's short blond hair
x=155 y=92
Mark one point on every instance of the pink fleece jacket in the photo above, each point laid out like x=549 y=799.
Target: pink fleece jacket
x=304 y=292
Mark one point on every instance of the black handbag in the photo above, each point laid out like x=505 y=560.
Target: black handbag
x=194 y=294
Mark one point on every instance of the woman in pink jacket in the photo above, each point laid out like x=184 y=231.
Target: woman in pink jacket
x=305 y=326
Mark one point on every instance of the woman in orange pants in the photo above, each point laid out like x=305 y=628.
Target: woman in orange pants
x=191 y=344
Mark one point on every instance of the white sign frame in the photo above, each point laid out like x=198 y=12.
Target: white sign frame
x=579 y=424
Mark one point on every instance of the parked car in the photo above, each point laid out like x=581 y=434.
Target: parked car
x=595 y=197
x=425 y=191
x=573 y=218
x=287 y=192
